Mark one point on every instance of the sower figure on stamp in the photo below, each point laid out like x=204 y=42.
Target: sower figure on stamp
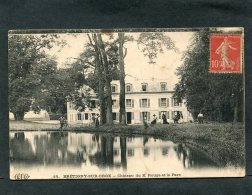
x=223 y=51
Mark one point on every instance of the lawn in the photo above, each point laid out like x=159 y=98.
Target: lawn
x=223 y=142
x=31 y=126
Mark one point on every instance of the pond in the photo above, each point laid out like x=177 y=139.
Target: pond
x=77 y=155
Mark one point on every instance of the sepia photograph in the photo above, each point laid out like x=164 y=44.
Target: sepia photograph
x=126 y=103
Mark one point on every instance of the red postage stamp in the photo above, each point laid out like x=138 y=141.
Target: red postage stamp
x=225 y=53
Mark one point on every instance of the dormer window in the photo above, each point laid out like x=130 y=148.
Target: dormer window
x=163 y=86
x=128 y=87
x=92 y=104
x=144 y=86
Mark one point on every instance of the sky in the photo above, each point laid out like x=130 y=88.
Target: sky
x=136 y=64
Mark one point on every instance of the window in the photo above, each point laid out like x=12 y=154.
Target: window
x=130 y=139
x=116 y=152
x=144 y=86
x=113 y=88
x=163 y=86
x=130 y=152
x=71 y=105
x=146 y=151
x=128 y=88
x=79 y=116
x=129 y=103
x=145 y=116
x=163 y=102
x=92 y=104
x=178 y=114
x=114 y=104
x=115 y=116
x=165 y=151
x=144 y=103
x=86 y=116
x=166 y=113
x=176 y=102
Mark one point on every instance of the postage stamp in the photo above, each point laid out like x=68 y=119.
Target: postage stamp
x=225 y=53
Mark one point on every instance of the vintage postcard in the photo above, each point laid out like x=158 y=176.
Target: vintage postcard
x=126 y=103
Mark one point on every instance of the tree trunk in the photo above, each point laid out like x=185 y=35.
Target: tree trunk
x=109 y=118
x=122 y=111
x=102 y=101
x=219 y=116
x=101 y=91
x=19 y=115
x=99 y=66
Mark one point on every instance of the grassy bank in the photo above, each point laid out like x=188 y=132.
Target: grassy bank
x=223 y=142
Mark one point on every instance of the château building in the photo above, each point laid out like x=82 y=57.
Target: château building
x=143 y=99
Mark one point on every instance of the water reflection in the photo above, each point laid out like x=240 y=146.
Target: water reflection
x=102 y=151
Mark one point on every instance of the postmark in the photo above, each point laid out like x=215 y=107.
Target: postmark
x=225 y=53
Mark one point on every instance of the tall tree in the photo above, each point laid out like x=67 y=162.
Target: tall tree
x=103 y=57
x=108 y=79
x=29 y=67
x=122 y=54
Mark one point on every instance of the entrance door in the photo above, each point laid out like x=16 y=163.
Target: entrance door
x=129 y=117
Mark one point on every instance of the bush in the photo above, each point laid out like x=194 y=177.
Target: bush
x=54 y=116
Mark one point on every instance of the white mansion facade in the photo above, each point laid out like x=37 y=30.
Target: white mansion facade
x=143 y=99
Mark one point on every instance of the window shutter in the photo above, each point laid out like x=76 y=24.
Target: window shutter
x=148 y=102
x=167 y=102
x=117 y=116
x=172 y=104
x=140 y=101
x=167 y=114
x=159 y=115
x=141 y=116
x=132 y=115
x=148 y=116
x=116 y=88
x=159 y=102
x=132 y=103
